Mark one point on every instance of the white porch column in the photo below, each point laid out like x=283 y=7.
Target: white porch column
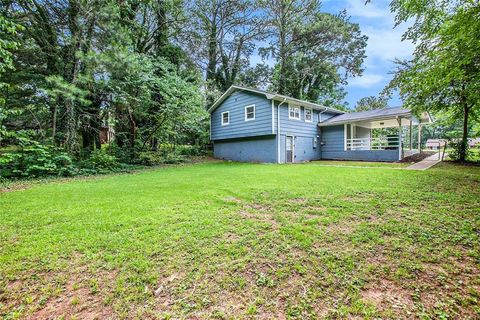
x=411 y=135
x=400 y=147
x=419 y=137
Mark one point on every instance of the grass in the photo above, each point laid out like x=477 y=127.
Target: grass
x=230 y=240
x=361 y=164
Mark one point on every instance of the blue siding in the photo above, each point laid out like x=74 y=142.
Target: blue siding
x=362 y=155
x=333 y=147
x=238 y=127
x=247 y=150
x=304 y=133
x=257 y=140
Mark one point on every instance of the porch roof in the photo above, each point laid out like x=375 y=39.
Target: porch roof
x=376 y=118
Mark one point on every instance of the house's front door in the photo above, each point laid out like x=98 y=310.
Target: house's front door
x=289 y=149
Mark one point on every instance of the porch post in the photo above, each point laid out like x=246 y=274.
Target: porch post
x=419 y=137
x=400 y=147
x=411 y=135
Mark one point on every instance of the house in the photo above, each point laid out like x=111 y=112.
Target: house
x=252 y=125
x=435 y=144
x=474 y=142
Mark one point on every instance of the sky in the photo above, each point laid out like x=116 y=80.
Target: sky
x=384 y=45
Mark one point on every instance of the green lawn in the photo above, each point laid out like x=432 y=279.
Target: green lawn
x=228 y=240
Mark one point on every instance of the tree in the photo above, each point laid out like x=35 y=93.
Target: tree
x=444 y=74
x=83 y=64
x=371 y=103
x=315 y=52
x=221 y=36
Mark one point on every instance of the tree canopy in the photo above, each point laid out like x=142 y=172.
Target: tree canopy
x=444 y=74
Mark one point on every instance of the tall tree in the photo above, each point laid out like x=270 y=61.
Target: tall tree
x=371 y=103
x=315 y=52
x=285 y=17
x=444 y=74
x=221 y=36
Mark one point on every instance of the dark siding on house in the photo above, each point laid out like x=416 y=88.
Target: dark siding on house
x=247 y=150
x=238 y=127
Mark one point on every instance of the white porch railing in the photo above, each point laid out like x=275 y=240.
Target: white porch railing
x=380 y=143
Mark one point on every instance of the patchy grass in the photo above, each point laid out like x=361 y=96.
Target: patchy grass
x=230 y=240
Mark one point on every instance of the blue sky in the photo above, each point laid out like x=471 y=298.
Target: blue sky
x=384 y=45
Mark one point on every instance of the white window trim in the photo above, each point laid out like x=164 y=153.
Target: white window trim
x=311 y=114
x=249 y=106
x=299 y=112
x=228 y=122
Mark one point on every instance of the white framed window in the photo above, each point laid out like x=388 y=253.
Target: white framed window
x=294 y=112
x=250 y=112
x=308 y=115
x=225 y=118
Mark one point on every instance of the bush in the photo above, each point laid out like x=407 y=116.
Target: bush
x=100 y=162
x=152 y=158
x=33 y=159
x=189 y=150
x=457 y=146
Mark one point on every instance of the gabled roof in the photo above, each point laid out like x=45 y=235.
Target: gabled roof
x=271 y=96
x=371 y=115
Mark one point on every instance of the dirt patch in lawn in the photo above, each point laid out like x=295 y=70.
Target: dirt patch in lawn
x=387 y=295
x=60 y=295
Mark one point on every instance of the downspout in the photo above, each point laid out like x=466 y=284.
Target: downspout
x=320 y=115
x=319 y=137
x=278 y=129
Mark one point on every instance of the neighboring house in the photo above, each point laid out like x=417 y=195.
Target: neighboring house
x=107 y=134
x=435 y=144
x=474 y=142
x=252 y=125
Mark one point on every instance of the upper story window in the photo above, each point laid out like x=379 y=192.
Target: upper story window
x=225 y=118
x=308 y=115
x=294 y=112
x=250 y=112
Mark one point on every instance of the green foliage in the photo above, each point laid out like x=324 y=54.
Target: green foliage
x=152 y=158
x=33 y=159
x=8 y=31
x=101 y=162
x=458 y=147
x=371 y=103
x=444 y=74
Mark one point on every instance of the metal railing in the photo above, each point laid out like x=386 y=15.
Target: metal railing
x=380 y=143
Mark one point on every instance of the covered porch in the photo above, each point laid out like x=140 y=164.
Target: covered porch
x=377 y=135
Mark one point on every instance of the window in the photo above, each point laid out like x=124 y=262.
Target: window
x=250 y=112
x=315 y=142
x=308 y=115
x=225 y=118
x=294 y=112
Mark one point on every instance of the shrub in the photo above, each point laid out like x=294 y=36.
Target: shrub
x=152 y=158
x=189 y=150
x=33 y=159
x=100 y=162
x=457 y=146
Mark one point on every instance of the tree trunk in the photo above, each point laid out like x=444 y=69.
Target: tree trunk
x=463 y=148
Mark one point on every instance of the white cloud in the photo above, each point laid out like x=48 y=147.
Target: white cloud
x=386 y=44
x=357 y=8
x=366 y=81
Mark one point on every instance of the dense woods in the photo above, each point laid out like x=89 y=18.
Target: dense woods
x=91 y=85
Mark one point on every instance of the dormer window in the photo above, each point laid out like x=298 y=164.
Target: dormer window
x=294 y=112
x=225 y=118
